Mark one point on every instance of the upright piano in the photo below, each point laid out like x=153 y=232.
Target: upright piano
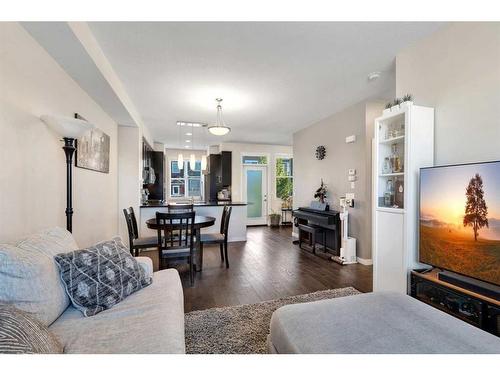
x=327 y=219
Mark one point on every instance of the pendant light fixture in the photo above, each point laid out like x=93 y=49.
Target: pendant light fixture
x=180 y=157
x=203 y=157
x=192 y=157
x=219 y=128
x=204 y=162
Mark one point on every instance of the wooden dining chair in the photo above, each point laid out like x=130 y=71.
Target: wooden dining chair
x=136 y=243
x=179 y=246
x=218 y=238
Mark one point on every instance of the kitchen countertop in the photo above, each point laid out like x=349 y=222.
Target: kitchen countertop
x=195 y=204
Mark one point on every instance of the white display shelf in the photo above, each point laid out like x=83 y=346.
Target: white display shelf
x=393 y=210
x=393 y=140
x=392 y=174
x=394 y=230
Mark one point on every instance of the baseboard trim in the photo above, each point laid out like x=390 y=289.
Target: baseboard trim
x=365 y=262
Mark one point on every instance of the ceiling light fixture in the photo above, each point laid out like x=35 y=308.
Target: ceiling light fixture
x=219 y=128
x=188 y=134
x=191 y=124
x=180 y=157
x=192 y=158
x=203 y=157
x=373 y=76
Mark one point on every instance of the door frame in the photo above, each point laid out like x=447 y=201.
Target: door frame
x=265 y=184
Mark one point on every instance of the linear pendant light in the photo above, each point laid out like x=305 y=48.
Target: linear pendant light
x=219 y=128
x=192 y=158
x=180 y=157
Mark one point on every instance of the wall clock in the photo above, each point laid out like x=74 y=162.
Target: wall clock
x=320 y=152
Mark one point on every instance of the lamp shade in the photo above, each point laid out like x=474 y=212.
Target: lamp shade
x=180 y=161
x=67 y=127
x=204 y=162
x=192 y=162
x=219 y=130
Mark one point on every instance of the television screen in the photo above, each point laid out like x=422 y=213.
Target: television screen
x=460 y=219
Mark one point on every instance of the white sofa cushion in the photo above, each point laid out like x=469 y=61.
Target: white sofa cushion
x=29 y=277
x=148 y=321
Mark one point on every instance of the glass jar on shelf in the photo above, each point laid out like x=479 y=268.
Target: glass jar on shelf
x=395 y=160
x=389 y=194
x=386 y=166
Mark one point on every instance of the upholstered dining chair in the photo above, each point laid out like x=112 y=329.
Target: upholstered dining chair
x=218 y=238
x=179 y=246
x=136 y=243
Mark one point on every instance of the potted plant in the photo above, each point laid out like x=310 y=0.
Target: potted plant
x=387 y=109
x=320 y=193
x=396 y=104
x=407 y=100
x=274 y=219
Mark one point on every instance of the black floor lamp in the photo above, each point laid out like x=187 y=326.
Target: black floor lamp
x=69 y=129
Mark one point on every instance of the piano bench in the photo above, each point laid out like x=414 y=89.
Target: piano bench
x=312 y=231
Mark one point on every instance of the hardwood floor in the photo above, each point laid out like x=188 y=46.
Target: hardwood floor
x=267 y=266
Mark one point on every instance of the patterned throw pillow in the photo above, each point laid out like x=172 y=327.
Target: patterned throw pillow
x=100 y=276
x=21 y=333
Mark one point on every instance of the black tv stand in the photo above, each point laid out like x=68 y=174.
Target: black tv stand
x=477 y=286
x=472 y=307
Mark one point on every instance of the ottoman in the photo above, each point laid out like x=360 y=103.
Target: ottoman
x=374 y=323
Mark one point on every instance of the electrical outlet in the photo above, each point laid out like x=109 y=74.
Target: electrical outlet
x=353 y=185
x=352 y=172
x=351 y=178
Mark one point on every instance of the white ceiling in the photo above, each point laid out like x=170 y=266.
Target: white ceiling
x=275 y=78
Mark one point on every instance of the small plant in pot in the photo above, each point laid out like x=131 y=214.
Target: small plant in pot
x=395 y=104
x=387 y=109
x=407 y=100
x=274 y=219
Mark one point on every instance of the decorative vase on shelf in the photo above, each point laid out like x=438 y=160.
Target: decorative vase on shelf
x=395 y=160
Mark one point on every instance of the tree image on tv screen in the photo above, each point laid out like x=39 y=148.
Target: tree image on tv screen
x=476 y=211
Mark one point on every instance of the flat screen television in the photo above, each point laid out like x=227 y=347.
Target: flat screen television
x=460 y=219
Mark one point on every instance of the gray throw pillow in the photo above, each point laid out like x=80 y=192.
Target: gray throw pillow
x=98 y=277
x=21 y=333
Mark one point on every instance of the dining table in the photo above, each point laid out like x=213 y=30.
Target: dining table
x=199 y=222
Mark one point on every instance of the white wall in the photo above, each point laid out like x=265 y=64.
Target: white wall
x=273 y=151
x=340 y=157
x=129 y=173
x=33 y=173
x=457 y=71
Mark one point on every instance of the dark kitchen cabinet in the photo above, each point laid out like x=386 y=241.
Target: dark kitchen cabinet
x=226 y=168
x=219 y=174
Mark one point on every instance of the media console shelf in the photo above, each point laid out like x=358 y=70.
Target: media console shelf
x=473 y=308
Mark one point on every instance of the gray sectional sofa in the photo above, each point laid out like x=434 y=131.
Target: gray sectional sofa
x=148 y=321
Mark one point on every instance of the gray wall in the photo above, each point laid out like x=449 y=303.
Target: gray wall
x=340 y=157
x=457 y=71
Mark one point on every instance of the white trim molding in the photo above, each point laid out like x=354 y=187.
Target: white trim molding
x=365 y=262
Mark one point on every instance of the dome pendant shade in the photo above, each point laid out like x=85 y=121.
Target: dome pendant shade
x=219 y=128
